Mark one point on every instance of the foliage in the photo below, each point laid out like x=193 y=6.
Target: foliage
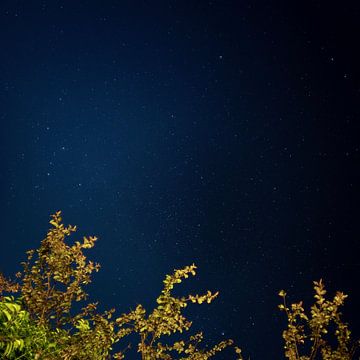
x=52 y=282
x=38 y=324
x=22 y=338
x=167 y=319
x=313 y=329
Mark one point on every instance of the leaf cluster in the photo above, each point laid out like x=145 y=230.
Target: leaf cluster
x=22 y=338
x=167 y=319
x=314 y=329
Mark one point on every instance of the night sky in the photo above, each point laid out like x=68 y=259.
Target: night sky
x=220 y=133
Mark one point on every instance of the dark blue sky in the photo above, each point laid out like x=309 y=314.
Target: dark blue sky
x=224 y=133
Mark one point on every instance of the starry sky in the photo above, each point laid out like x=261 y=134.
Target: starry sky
x=220 y=133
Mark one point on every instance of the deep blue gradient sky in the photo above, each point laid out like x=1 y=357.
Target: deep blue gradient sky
x=224 y=133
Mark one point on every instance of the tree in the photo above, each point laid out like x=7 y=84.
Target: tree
x=38 y=324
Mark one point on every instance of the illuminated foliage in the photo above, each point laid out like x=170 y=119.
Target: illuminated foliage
x=22 y=338
x=313 y=330
x=38 y=324
x=166 y=319
x=55 y=278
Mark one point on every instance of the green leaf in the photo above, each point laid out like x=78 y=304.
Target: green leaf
x=8 y=316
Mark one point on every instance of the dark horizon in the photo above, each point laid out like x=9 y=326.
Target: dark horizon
x=224 y=134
